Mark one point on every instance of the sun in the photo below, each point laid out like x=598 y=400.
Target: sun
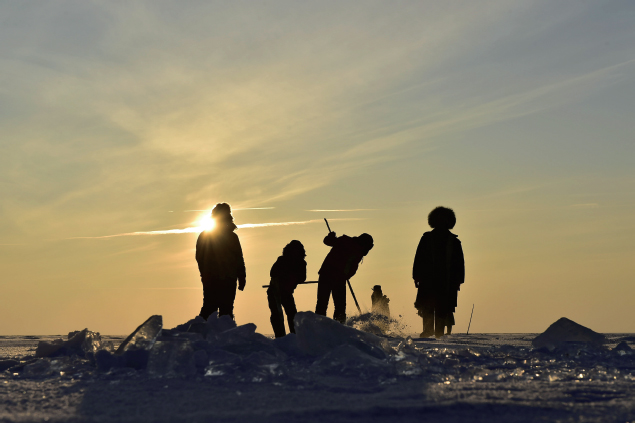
x=206 y=222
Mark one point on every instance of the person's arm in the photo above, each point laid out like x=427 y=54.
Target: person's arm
x=242 y=273
x=417 y=267
x=458 y=265
x=330 y=239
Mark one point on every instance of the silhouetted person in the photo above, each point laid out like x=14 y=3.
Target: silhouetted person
x=286 y=273
x=380 y=302
x=339 y=265
x=438 y=272
x=220 y=261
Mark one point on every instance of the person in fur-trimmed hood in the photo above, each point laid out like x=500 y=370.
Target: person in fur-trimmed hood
x=438 y=272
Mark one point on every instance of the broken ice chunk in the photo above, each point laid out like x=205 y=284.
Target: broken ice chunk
x=220 y=324
x=171 y=357
x=289 y=345
x=244 y=340
x=144 y=336
x=186 y=326
x=50 y=349
x=622 y=349
x=318 y=335
x=564 y=331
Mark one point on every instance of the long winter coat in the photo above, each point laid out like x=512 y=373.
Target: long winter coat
x=439 y=268
x=343 y=259
x=219 y=255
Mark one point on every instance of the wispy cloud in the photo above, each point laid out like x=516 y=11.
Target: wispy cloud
x=198 y=229
x=341 y=210
x=233 y=209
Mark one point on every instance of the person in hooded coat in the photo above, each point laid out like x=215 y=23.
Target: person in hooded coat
x=286 y=273
x=221 y=263
x=438 y=272
x=340 y=264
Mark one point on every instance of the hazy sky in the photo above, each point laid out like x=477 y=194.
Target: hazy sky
x=120 y=117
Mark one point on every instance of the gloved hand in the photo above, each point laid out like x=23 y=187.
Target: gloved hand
x=241 y=283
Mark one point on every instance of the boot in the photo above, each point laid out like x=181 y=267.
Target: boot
x=427 y=330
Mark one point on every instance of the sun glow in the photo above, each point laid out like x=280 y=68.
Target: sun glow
x=206 y=222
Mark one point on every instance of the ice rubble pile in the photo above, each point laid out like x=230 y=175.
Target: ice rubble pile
x=219 y=350
x=377 y=324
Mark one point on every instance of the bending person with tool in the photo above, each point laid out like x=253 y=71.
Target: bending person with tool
x=287 y=272
x=339 y=265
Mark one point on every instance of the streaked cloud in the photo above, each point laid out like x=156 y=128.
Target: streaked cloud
x=341 y=210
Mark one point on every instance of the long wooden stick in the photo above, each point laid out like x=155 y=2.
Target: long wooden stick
x=470 y=324
x=299 y=283
x=354 y=298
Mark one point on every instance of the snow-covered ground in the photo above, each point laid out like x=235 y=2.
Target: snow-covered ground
x=476 y=377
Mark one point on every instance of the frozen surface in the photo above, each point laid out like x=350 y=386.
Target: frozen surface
x=213 y=372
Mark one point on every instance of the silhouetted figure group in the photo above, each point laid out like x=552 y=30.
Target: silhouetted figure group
x=438 y=273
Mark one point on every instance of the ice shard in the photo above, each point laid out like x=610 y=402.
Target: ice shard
x=243 y=340
x=171 y=357
x=566 y=331
x=144 y=336
x=318 y=335
x=220 y=324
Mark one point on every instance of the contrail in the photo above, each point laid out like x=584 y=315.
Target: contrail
x=343 y=210
x=246 y=208
x=197 y=229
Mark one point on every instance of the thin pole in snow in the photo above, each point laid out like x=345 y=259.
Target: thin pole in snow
x=470 y=324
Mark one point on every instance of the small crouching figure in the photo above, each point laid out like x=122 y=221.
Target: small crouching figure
x=220 y=262
x=287 y=272
x=340 y=264
x=380 y=302
x=438 y=272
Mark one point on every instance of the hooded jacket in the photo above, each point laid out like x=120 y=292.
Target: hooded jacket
x=219 y=254
x=287 y=272
x=343 y=259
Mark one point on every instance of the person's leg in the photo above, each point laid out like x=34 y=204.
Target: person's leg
x=277 y=319
x=210 y=299
x=288 y=302
x=450 y=322
x=323 y=295
x=339 y=301
x=226 y=300
x=440 y=322
x=426 y=311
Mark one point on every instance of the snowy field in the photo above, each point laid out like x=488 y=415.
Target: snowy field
x=246 y=377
